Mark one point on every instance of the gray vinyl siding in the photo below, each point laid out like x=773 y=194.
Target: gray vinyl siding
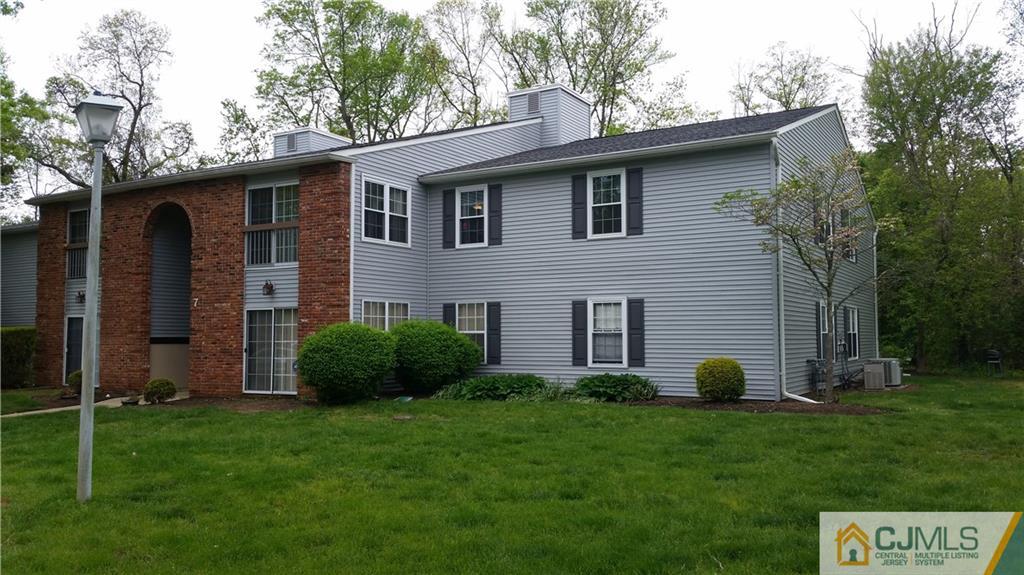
x=170 y=287
x=286 y=286
x=818 y=140
x=18 y=277
x=399 y=273
x=566 y=117
x=705 y=282
x=281 y=144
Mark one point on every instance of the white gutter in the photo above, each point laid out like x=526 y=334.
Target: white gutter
x=780 y=304
x=874 y=257
x=248 y=168
x=590 y=159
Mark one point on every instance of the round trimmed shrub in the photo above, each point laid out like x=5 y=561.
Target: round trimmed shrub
x=346 y=362
x=721 y=379
x=500 y=387
x=74 y=381
x=159 y=390
x=430 y=355
x=616 y=387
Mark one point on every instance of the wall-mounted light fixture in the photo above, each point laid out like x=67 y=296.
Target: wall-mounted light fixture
x=80 y=297
x=268 y=288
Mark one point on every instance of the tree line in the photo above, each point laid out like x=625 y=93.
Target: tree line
x=939 y=115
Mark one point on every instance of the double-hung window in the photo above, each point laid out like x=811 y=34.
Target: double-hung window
x=272 y=233
x=823 y=332
x=852 y=333
x=384 y=314
x=845 y=221
x=78 y=239
x=471 y=216
x=606 y=319
x=471 y=319
x=385 y=213
x=606 y=201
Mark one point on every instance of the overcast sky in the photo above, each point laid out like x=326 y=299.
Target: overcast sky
x=216 y=44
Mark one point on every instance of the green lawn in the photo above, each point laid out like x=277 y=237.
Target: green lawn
x=15 y=400
x=493 y=487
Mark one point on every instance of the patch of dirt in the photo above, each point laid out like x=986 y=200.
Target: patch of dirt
x=787 y=406
x=239 y=404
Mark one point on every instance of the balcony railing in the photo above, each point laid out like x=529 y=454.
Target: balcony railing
x=76 y=262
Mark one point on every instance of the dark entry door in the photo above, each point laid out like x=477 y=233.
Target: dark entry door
x=73 y=346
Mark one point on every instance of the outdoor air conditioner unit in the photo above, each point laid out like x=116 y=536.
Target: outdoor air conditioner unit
x=890 y=369
x=874 y=376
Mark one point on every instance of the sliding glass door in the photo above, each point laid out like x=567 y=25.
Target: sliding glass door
x=271 y=348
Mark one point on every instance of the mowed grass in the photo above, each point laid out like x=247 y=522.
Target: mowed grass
x=495 y=487
x=28 y=399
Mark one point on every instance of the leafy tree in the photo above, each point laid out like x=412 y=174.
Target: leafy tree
x=122 y=57
x=603 y=49
x=349 y=66
x=10 y=7
x=946 y=168
x=668 y=107
x=17 y=111
x=1014 y=12
x=786 y=79
x=818 y=216
x=463 y=62
x=243 y=137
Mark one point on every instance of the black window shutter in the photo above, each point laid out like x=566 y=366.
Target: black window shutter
x=448 y=314
x=494 y=215
x=817 y=330
x=579 y=332
x=494 y=333
x=635 y=320
x=579 y=207
x=635 y=201
x=448 y=219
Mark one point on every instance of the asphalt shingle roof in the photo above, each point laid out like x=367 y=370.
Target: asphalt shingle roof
x=647 y=139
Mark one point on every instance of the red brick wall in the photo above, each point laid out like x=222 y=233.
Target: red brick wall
x=50 y=295
x=216 y=210
x=323 y=248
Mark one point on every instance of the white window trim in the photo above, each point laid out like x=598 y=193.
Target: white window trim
x=854 y=314
x=835 y=334
x=387 y=310
x=590 y=332
x=273 y=241
x=621 y=172
x=458 y=217
x=245 y=347
x=369 y=178
x=483 y=361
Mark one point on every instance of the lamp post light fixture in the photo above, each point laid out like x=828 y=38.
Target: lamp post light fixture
x=97 y=116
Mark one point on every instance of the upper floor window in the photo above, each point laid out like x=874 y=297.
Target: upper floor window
x=78 y=238
x=471 y=206
x=385 y=213
x=607 y=204
x=272 y=233
x=845 y=221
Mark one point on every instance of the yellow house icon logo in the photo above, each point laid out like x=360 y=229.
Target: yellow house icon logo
x=854 y=541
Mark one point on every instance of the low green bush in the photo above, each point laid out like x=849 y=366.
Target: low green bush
x=17 y=353
x=346 y=362
x=494 y=387
x=430 y=355
x=74 y=381
x=616 y=387
x=721 y=379
x=159 y=390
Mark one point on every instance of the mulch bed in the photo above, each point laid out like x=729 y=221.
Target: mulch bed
x=787 y=406
x=239 y=404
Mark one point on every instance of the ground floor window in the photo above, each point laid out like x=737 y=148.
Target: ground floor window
x=852 y=332
x=271 y=346
x=471 y=319
x=384 y=314
x=606 y=320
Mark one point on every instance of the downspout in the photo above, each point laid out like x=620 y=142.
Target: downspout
x=780 y=304
x=874 y=262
